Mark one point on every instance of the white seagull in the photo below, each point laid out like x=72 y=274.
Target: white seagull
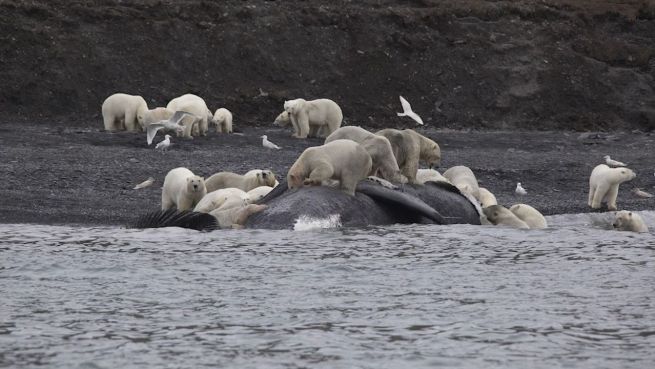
x=147 y=183
x=164 y=144
x=520 y=190
x=642 y=194
x=268 y=144
x=173 y=123
x=407 y=111
x=612 y=163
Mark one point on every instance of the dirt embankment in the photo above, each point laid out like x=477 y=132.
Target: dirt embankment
x=551 y=64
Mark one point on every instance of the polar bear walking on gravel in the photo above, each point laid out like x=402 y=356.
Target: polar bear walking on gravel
x=319 y=117
x=604 y=185
x=182 y=189
x=223 y=120
x=195 y=105
x=124 y=112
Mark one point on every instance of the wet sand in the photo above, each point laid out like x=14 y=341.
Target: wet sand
x=75 y=173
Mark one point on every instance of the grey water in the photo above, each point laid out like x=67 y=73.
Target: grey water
x=576 y=295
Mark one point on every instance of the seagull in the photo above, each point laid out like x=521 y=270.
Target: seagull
x=165 y=143
x=147 y=183
x=520 y=190
x=613 y=163
x=640 y=193
x=407 y=111
x=268 y=144
x=173 y=123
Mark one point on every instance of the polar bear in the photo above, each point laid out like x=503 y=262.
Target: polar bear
x=604 y=185
x=216 y=199
x=409 y=147
x=325 y=114
x=182 y=189
x=463 y=178
x=378 y=147
x=429 y=175
x=531 y=216
x=500 y=215
x=343 y=160
x=124 y=112
x=486 y=198
x=223 y=120
x=628 y=221
x=284 y=120
x=195 y=105
x=246 y=182
x=258 y=193
x=236 y=217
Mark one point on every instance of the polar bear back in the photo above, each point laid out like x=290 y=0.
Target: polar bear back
x=531 y=216
x=247 y=182
x=122 y=111
x=425 y=175
x=355 y=133
x=216 y=199
x=463 y=178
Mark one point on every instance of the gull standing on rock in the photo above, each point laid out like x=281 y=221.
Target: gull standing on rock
x=612 y=163
x=165 y=144
x=642 y=194
x=520 y=190
x=173 y=123
x=268 y=144
x=407 y=111
x=147 y=183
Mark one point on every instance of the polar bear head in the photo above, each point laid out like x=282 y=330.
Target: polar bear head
x=283 y=119
x=195 y=184
x=623 y=174
x=431 y=154
x=294 y=106
x=266 y=178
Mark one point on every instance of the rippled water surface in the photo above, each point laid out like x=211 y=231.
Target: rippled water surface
x=575 y=295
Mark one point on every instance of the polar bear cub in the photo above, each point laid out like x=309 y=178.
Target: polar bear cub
x=531 y=216
x=195 y=105
x=323 y=114
x=217 y=199
x=486 y=198
x=628 y=221
x=124 y=112
x=252 y=179
x=182 y=189
x=378 y=147
x=343 y=160
x=223 y=120
x=463 y=178
x=604 y=185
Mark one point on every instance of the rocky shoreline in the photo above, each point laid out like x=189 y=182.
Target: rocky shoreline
x=59 y=173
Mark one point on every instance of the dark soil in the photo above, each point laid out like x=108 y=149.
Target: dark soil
x=530 y=65
x=61 y=174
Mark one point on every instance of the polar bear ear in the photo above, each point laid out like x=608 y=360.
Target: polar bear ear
x=630 y=214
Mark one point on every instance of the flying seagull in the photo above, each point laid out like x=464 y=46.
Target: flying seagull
x=147 y=183
x=613 y=163
x=268 y=144
x=173 y=124
x=407 y=111
x=520 y=190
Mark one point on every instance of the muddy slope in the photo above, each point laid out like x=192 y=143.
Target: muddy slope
x=552 y=64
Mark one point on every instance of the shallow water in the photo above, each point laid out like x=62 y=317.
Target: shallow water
x=575 y=295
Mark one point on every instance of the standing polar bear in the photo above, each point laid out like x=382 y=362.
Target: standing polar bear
x=182 y=189
x=342 y=160
x=324 y=114
x=378 y=147
x=409 y=147
x=195 y=105
x=223 y=120
x=604 y=185
x=124 y=112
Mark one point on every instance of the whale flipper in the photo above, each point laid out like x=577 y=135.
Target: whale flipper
x=176 y=218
